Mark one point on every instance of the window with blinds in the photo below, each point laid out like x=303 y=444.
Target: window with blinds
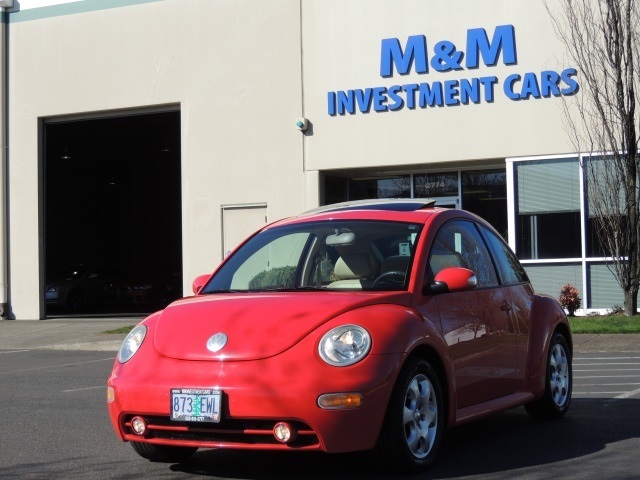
x=548 y=209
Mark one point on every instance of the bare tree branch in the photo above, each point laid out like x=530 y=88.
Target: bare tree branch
x=603 y=39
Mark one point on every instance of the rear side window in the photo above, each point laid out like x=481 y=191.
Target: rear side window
x=459 y=244
x=509 y=266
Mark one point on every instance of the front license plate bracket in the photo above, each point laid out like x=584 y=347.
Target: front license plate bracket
x=196 y=405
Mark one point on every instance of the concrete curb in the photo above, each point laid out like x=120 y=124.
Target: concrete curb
x=88 y=334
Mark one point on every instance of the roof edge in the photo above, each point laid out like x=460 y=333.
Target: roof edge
x=393 y=204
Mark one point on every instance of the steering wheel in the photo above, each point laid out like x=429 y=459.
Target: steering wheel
x=392 y=277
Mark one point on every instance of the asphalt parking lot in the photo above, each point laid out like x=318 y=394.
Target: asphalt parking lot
x=606 y=375
x=54 y=422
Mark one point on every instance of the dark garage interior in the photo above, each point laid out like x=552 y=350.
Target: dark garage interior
x=112 y=222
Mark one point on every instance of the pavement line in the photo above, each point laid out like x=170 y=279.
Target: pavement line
x=606 y=358
x=607 y=376
x=57 y=366
x=607 y=369
x=598 y=393
x=606 y=384
x=88 y=388
x=629 y=394
x=604 y=364
x=15 y=351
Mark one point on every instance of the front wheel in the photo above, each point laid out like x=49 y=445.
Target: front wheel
x=414 y=422
x=558 y=382
x=163 y=453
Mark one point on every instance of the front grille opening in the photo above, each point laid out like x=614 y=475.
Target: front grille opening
x=228 y=432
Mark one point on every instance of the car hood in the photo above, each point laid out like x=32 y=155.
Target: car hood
x=257 y=325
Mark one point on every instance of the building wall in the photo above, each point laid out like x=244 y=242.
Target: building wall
x=241 y=72
x=232 y=67
x=342 y=50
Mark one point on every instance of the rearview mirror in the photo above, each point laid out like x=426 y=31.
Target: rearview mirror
x=453 y=279
x=200 y=282
x=339 y=239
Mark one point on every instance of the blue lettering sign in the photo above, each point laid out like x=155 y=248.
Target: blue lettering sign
x=488 y=83
x=411 y=94
x=504 y=39
x=430 y=95
x=391 y=52
x=398 y=103
x=363 y=97
x=445 y=56
x=379 y=99
x=567 y=77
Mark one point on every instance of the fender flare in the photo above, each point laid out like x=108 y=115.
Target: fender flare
x=547 y=317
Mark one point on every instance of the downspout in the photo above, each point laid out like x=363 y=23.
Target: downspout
x=4 y=247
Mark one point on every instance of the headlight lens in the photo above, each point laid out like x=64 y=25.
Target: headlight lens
x=132 y=343
x=345 y=345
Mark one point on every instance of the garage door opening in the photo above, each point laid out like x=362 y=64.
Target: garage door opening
x=112 y=214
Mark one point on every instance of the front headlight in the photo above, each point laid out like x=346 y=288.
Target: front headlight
x=345 y=345
x=132 y=343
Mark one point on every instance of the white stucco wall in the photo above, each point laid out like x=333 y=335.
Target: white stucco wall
x=342 y=50
x=233 y=68
x=241 y=72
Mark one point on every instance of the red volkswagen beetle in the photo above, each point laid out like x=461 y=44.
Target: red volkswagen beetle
x=358 y=326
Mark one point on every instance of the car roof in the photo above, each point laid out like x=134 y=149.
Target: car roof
x=415 y=210
x=391 y=204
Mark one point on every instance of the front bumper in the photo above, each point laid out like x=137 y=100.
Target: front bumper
x=256 y=395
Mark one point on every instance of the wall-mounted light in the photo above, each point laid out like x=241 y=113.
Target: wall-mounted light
x=302 y=124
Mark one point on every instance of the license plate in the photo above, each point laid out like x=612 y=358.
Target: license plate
x=195 y=404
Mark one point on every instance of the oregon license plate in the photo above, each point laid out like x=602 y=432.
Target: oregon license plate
x=195 y=404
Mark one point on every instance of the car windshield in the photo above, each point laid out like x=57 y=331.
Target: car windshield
x=327 y=255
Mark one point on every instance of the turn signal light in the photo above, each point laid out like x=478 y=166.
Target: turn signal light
x=334 y=401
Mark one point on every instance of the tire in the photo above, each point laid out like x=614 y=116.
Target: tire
x=163 y=453
x=414 y=422
x=558 y=382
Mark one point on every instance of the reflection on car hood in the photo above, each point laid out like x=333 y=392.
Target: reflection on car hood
x=257 y=325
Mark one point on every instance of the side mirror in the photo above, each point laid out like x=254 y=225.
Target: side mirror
x=453 y=279
x=199 y=282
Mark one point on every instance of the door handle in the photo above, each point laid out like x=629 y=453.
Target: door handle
x=505 y=307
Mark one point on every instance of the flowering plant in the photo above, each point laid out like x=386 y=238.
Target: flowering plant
x=570 y=298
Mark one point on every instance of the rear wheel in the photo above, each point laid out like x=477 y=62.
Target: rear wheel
x=414 y=422
x=163 y=453
x=558 y=383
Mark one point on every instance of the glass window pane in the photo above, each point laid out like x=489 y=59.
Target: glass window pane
x=550 y=279
x=552 y=235
x=436 y=185
x=604 y=186
x=548 y=186
x=605 y=204
x=604 y=291
x=485 y=194
x=458 y=244
x=389 y=187
x=276 y=263
x=510 y=269
x=336 y=189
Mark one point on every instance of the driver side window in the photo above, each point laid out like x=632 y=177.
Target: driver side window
x=459 y=244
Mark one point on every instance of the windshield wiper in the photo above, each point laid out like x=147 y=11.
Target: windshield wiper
x=224 y=290
x=287 y=289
